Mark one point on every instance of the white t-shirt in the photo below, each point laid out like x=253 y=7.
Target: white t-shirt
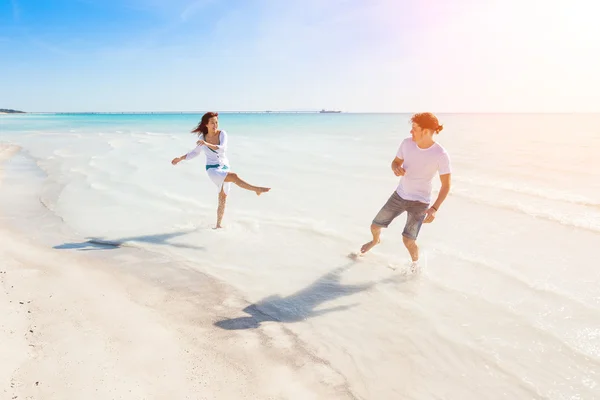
x=421 y=166
x=213 y=157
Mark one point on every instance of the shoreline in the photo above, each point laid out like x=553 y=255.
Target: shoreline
x=277 y=283
x=80 y=326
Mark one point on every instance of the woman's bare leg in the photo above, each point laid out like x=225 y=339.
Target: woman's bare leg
x=234 y=178
x=221 y=208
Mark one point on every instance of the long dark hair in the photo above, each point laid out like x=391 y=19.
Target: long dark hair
x=202 y=128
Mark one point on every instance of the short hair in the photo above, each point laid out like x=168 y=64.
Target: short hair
x=427 y=121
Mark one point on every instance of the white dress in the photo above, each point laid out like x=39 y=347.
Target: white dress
x=217 y=164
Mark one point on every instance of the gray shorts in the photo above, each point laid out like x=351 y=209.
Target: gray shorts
x=395 y=206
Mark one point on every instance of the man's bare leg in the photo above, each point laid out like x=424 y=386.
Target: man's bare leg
x=376 y=232
x=234 y=178
x=221 y=208
x=413 y=249
x=411 y=246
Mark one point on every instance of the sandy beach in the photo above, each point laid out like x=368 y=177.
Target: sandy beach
x=73 y=328
x=115 y=284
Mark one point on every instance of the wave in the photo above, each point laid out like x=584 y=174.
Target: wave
x=63 y=153
x=157 y=134
x=514 y=277
x=527 y=189
x=583 y=354
x=499 y=357
x=571 y=317
x=115 y=143
x=527 y=170
x=576 y=220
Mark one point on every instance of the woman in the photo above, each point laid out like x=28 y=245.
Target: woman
x=214 y=143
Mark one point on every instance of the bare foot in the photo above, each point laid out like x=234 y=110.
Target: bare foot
x=415 y=267
x=368 y=246
x=217 y=227
x=262 y=190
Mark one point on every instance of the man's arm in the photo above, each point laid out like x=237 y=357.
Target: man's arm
x=397 y=166
x=444 y=190
x=399 y=160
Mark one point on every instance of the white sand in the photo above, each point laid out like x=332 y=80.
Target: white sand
x=73 y=328
x=506 y=307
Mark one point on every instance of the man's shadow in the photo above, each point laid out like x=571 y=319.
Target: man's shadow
x=106 y=244
x=301 y=305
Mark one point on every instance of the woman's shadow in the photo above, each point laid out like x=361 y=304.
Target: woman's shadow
x=301 y=305
x=106 y=244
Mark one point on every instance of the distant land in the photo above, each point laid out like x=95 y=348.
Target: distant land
x=187 y=112
x=9 y=111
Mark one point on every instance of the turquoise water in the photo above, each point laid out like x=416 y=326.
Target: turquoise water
x=507 y=305
x=186 y=122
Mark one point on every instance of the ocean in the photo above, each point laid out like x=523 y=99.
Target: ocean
x=506 y=306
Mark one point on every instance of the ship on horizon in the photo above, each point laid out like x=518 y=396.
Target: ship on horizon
x=324 y=111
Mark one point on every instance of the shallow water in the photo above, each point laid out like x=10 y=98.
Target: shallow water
x=507 y=305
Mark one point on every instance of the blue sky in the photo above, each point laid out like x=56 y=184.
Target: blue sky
x=353 y=55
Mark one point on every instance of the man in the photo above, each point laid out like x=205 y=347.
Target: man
x=418 y=160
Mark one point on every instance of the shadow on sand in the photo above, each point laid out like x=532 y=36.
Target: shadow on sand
x=302 y=304
x=106 y=244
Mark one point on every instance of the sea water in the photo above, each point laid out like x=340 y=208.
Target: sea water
x=506 y=305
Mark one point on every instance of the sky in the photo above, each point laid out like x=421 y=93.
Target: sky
x=349 y=55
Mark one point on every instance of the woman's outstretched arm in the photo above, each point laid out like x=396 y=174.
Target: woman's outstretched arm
x=192 y=154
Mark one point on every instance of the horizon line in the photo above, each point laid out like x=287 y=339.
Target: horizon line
x=298 y=112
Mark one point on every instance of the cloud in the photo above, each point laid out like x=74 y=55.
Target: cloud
x=193 y=7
